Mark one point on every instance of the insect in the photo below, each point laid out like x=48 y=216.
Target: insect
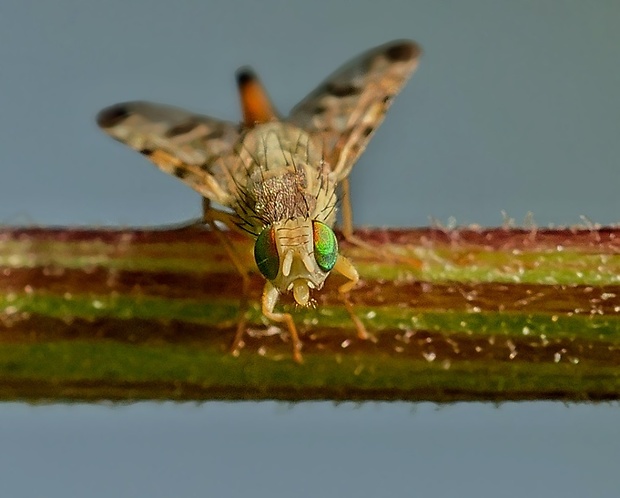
x=275 y=178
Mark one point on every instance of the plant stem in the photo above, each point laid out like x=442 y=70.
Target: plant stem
x=496 y=315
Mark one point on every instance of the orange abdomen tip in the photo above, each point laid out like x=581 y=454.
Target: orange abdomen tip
x=255 y=103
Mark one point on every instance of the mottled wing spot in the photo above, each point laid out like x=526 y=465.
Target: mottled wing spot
x=340 y=90
x=368 y=130
x=181 y=129
x=402 y=52
x=112 y=116
x=215 y=134
x=180 y=172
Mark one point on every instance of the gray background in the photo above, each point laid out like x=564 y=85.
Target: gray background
x=515 y=107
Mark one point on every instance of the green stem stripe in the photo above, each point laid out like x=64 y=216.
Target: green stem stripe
x=215 y=312
x=122 y=372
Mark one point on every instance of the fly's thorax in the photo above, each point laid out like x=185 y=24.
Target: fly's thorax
x=276 y=144
x=285 y=177
x=296 y=255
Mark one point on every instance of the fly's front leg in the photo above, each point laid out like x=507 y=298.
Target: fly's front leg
x=270 y=298
x=346 y=268
x=209 y=217
x=347 y=230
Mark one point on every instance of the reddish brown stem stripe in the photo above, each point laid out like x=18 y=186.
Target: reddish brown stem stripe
x=602 y=240
x=420 y=345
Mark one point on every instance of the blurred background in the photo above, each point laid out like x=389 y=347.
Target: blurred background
x=515 y=108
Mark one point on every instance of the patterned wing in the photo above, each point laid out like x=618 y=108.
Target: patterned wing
x=197 y=149
x=346 y=109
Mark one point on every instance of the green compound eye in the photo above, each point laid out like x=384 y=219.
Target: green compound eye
x=266 y=254
x=325 y=246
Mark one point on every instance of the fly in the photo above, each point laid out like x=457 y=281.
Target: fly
x=279 y=177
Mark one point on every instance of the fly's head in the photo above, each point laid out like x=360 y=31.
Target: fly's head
x=296 y=255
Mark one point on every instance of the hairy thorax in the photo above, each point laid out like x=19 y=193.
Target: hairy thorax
x=286 y=177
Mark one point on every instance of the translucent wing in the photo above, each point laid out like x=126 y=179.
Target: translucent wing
x=349 y=105
x=197 y=149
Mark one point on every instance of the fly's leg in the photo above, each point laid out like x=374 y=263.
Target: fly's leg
x=346 y=268
x=209 y=217
x=197 y=223
x=347 y=218
x=347 y=211
x=347 y=230
x=270 y=298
